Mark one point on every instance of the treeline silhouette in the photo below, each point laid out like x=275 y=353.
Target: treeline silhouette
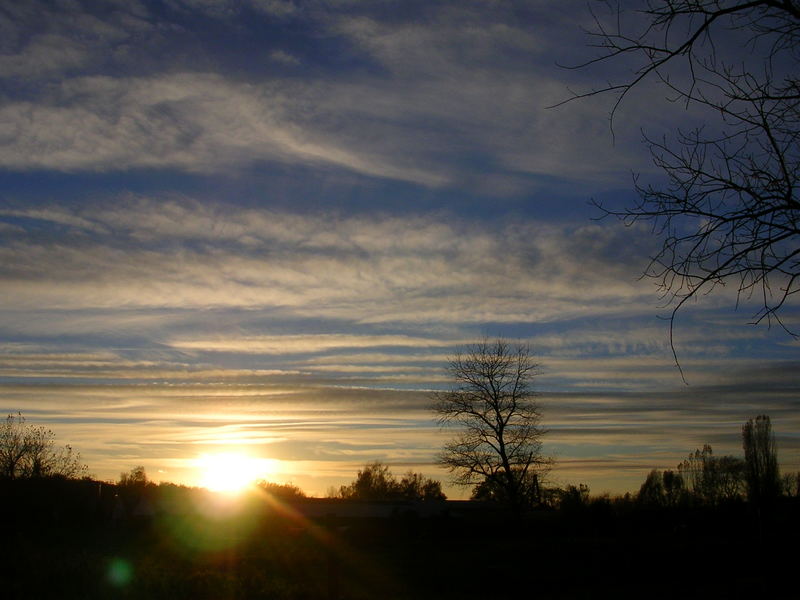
x=705 y=479
x=30 y=451
x=81 y=538
x=376 y=482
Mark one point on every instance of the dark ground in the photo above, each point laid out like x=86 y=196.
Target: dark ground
x=61 y=540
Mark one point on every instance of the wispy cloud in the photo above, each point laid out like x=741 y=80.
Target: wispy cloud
x=483 y=83
x=366 y=269
x=197 y=122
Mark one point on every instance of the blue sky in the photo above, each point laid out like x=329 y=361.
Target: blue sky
x=266 y=224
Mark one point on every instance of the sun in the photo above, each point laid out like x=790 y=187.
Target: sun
x=232 y=472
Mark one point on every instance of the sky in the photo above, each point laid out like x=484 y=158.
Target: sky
x=264 y=226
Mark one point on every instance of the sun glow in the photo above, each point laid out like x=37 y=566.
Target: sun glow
x=232 y=472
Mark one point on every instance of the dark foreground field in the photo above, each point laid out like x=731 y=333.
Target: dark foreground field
x=73 y=541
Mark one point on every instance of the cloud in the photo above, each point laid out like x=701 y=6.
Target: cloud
x=283 y=57
x=44 y=55
x=181 y=290
x=288 y=344
x=194 y=122
x=226 y=9
x=463 y=88
x=368 y=269
x=275 y=8
x=46 y=41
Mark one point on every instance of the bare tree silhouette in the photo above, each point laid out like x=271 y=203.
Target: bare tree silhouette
x=493 y=407
x=729 y=212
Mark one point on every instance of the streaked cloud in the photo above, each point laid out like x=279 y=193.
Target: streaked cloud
x=288 y=344
x=365 y=269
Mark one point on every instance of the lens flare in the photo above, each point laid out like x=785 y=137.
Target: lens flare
x=120 y=572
